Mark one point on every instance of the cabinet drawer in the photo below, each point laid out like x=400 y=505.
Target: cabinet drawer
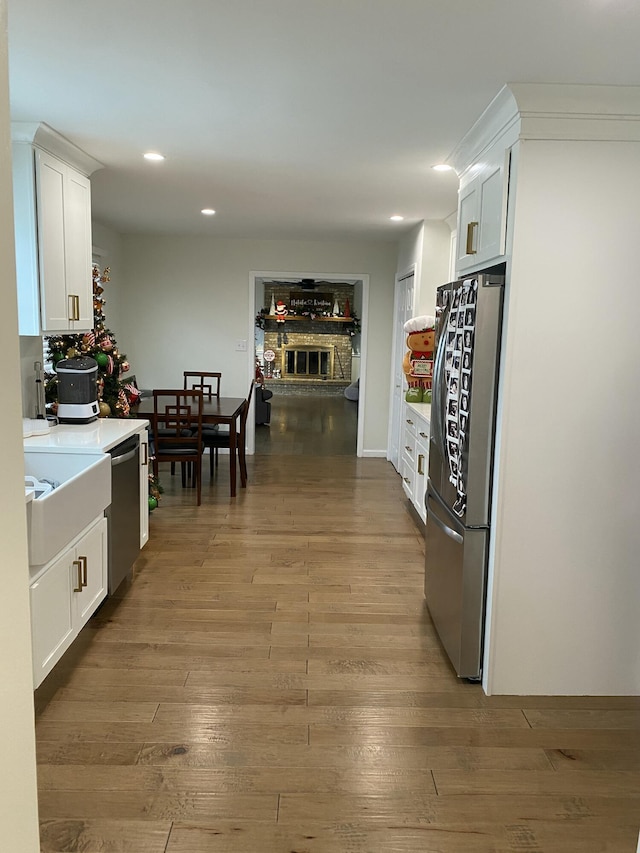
x=408 y=478
x=409 y=425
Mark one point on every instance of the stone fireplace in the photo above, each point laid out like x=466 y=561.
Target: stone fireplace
x=311 y=351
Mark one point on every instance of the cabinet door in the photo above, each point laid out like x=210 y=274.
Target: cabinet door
x=89 y=573
x=144 y=487
x=482 y=212
x=55 y=307
x=468 y=224
x=52 y=628
x=492 y=212
x=64 y=245
x=77 y=230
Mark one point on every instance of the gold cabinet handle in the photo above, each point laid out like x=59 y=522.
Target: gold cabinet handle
x=84 y=570
x=74 y=307
x=471 y=233
x=78 y=564
x=420 y=463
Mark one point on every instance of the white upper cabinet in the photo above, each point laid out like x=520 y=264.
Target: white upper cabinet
x=52 y=212
x=483 y=162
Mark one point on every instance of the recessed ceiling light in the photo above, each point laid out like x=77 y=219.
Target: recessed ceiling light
x=442 y=167
x=152 y=155
x=396 y=218
x=208 y=211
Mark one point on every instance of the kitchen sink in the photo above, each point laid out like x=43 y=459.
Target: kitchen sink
x=83 y=493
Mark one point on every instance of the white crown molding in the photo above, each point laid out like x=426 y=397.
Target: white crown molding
x=45 y=137
x=552 y=111
x=501 y=114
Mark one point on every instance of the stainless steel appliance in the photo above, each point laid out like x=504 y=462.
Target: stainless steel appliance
x=77 y=390
x=458 y=497
x=123 y=516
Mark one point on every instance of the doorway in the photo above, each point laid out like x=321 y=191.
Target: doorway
x=310 y=303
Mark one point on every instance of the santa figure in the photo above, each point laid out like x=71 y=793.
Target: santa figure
x=281 y=311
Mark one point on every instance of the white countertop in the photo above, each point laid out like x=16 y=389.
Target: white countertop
x=423 y=410
x=99 y=436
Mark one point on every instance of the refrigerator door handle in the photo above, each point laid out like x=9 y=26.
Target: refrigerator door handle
x=438 y=420
x=433 y=516
x=445 y=529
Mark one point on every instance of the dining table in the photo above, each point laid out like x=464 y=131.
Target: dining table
x=215 y=410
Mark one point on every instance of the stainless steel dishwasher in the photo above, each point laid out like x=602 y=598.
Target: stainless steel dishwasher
x=123 y=515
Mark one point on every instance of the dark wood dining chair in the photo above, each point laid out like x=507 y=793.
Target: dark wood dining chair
x=222 y=439
x=201 y=380
x=177 y=432
x=209 y=383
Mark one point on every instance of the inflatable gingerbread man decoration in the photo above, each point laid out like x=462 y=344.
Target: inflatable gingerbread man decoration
x=418 y=361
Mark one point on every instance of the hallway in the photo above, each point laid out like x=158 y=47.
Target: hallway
x=271 y=683
x=309 y=424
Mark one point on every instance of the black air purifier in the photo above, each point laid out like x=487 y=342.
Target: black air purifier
x=77 y=390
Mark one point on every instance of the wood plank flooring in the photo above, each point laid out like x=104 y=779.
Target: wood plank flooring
x=271 y=683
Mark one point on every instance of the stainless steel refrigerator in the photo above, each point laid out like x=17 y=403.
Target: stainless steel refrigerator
x=458 y=497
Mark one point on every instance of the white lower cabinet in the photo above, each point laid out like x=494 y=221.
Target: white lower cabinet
x=64 y=594
x=415 y=453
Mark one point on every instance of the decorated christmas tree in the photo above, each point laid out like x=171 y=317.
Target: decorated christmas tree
x=115 y=395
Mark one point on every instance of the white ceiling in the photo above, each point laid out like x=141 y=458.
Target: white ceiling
x=292 y=118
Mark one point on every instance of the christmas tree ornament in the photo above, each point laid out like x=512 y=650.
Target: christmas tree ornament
x=153 y=503
x=104 y=410
x=103 y=359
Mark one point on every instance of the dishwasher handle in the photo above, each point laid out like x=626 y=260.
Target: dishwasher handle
x=124 y=451
x=120 y=460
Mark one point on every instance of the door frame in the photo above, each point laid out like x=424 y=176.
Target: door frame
x=395 y=407
x=349 y=278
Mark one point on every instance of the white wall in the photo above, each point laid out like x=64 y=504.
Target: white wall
x=109 y=244
x=565 y=582
x=187 y=305
x=18 y=793
x=427 y=245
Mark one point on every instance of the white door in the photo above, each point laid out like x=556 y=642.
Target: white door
x=403 y=311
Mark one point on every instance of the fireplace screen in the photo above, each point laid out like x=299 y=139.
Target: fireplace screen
x=307 y=361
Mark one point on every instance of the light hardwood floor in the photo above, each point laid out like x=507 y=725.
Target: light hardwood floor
x=271 y=683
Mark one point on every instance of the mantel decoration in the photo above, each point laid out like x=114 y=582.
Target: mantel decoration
x=311 y=312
